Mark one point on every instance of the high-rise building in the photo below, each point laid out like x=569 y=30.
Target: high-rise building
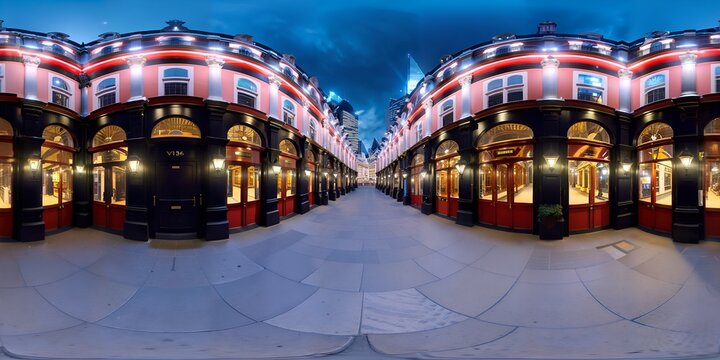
x=414 y=75
x=394 y=109
x=345 y=114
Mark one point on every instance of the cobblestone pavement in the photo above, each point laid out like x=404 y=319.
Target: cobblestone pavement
x=364 y=277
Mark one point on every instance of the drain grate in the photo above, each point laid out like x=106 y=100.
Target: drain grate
x=618 y=249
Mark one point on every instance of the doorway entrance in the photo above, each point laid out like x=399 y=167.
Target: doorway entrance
x=655 y=153
x=447 y=178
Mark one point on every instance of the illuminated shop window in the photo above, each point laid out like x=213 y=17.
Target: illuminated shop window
x=57 y=159
x=6 y=159
x=589 y=163
x=106 y=92
x=244 y=134
x=589 y=87
x=247 y=92
x=109 y=154
x=654 y=88
x=505 y=89
x=447 y=113
x=288 y=113
x=655 y=154
x=175 y=127
x=176 y=81
x=61 y=92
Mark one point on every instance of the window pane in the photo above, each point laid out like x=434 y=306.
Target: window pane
x=588 y=94
x=110 y=156
x=454 y=183
x=105 y=84
x=523 y=182
x=590 y=80
x=176 y=88
x=655 y=80
x=441 y=183
x=290 y=182
x=253 y=185
x=247 y=84
x=602 y=183
x=515 y=95
x=515 y=80
x=655 y=95
x=495 y=99
x=578 y=182
x=118 y=185
x=279 y=185
x=447 y=119
x=245 y=99
x=485 y=181
x=57 y=184
x=447 y=105
x=5 y=186
x=663 y=187
x=234 y=182
x=60 y=84
x=176 y=72
x=107 y=99
x=645 y=173
x=60 y=99
x=494 y=85
x=501 y=182
x=712 y=185
x=98 y=183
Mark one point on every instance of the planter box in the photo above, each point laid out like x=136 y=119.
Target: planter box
x=551 y=228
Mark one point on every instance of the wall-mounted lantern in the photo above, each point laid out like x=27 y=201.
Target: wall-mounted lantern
x=551 y=160
x=460 y=166
x=34 y=163
x=134 y=164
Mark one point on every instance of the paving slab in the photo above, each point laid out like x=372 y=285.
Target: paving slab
x=25 y=311
x=394 y=276
x=327 y=311
x=337 y=276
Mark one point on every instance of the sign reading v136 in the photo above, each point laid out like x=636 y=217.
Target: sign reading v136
x=175 y=153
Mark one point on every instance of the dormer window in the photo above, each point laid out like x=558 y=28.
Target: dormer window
x=247 y=92
x=61 y=92
x=288 y=113
x=176 y=81
x=106 y=92
x=654 y=88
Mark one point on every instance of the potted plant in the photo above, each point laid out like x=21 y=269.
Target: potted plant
x=552 y=224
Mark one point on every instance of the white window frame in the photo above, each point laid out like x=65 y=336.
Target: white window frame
x=2 y=78
x=70 y=92
x=714 y=78
x=238 y=89
x=161 y=79
x=284 y=110
x=312 y=128
x=577 y=85
x=97 y=94
x=418 y=131
x=642 y=85
x=442 y=113
x=504 y=89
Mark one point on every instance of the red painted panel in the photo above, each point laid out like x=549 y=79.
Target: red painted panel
x=712 y=222
x=486 y=212
x=441 y=205
x=416 y=200
x=504 y=214
x=601 y=215
x=66 y=215
x=311 y=198
x=234 y=215
x=50 y=216
x=579 y=217
x=252 y=211
x=663 y=218
x=6 y=222
x=289 y=205
x=117 y=217
x=99 y=214
x=646 y=216
x=453 y=207
x=523 y=216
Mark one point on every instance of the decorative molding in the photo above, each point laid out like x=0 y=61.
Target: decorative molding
x=214 y=62
x=135 y=61
x=465 y=80
x=32 y=61
x=550 y=61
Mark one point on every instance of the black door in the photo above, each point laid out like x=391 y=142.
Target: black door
x=175 y=200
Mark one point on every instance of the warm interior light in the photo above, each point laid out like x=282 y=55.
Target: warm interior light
x=218 y=163
x=307 y=172
x=423 y=173
x=80 y=169
x=34 y=163
x=460 y=166
x=686 y=159
x=325 y=173
x=276 y=169
x=626 y=167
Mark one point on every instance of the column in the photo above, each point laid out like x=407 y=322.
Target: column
x=28 y=224
x=31 y=87
x=274 y=89
x=136 y=208
x=428 y=116
x=136 y=64
x=625 y=92
x=689 y=78
x=305 y=130
x=215 y=65
x=550 y=77
x=214 y=203
x=466 y=108
x=84 y=86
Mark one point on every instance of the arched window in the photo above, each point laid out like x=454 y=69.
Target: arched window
x=108 y=135
x=58 y=135
x=176 y=81
x=309 y=155
x=287 y=147
x=60 y=92
x=288 y=113
x=247 y=92
x=655 y=132
x=175 y=127
x=590 y=131
x=244 y=134
x=712 y=128
x=106 y=92
x=418 y=159
x=654 y=88
x=447 y=148
x=505 y=132
x=6 y=159
x=447 y=113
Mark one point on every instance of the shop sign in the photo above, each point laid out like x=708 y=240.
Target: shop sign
x=505 y=152
x=175 y=153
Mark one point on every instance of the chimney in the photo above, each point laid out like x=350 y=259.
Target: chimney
x=547 y=27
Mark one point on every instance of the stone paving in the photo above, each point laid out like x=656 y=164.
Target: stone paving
x=364 y=277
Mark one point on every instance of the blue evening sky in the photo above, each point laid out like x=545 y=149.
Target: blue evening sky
x=358 y=48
